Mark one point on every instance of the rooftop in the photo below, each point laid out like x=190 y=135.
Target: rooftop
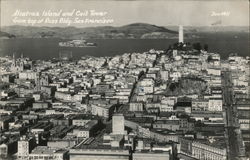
x=47 y=150
x=214 y=142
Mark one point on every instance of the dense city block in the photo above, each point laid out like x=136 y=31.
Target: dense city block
x=181 y=103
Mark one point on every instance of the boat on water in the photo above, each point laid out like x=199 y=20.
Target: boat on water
x=77 y=43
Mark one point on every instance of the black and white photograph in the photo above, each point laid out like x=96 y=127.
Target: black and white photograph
x=124 y=80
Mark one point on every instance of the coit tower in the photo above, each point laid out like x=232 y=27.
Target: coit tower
x=181 y=34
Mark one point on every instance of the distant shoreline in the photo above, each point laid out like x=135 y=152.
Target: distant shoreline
x=47 y=48
x=131 y=31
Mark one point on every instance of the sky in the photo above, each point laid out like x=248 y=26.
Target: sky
x=162 y=13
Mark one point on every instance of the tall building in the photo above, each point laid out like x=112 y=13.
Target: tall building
x=16 y=65
x=20 y=64
x=25 y=146
x=118 y=124
x=181 y=37
x=65 y=55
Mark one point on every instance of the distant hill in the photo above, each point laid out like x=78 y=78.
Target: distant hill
x=136 y=30
x=131 y=31
x=6 y=35
x=212 y=29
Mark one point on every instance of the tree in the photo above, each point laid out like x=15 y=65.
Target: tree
x=205 y=47
x=209 y=58
x=197 y=46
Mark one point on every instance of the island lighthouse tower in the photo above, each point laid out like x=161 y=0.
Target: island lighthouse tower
x=181 y=37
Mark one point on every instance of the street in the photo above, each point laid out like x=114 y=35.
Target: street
x=235 y=143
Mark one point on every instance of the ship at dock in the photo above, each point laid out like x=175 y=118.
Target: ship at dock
x=77 y=43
